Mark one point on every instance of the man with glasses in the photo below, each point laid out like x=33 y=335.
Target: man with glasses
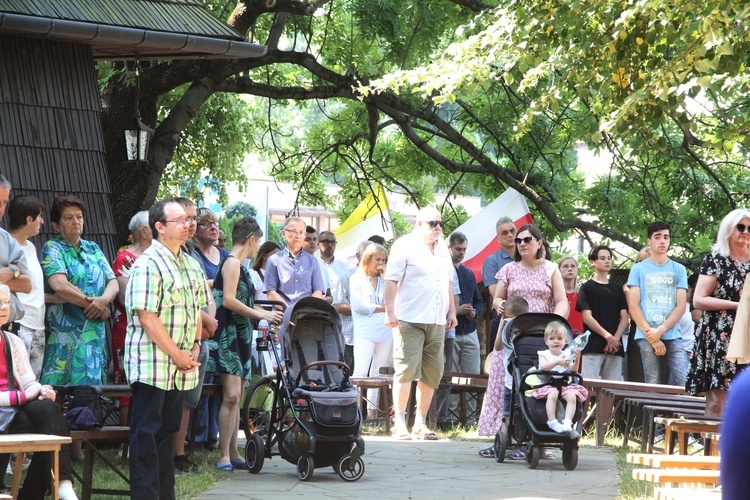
x=309 y=246
x=337 y=269
x=657 y=297
x=293 y=274
x=420 y=308
x=506 y=233
x=193 y=397
x=163 y=300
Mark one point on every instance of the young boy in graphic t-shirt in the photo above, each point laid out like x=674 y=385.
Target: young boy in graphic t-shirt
x=657 y=296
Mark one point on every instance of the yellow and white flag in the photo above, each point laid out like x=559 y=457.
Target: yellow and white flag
x=371 y=217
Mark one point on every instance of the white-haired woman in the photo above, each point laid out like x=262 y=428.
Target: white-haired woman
x=717 y=293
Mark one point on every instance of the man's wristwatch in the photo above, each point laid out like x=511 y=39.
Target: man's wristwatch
x=196 y=341
x=16 y=271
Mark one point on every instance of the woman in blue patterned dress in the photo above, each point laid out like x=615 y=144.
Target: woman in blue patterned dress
x=77 y=272
x=230 y=347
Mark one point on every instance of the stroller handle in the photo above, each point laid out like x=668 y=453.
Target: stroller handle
x=340 y=364
x=281 y=305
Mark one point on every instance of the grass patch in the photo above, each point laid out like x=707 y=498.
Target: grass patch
x=187 y=486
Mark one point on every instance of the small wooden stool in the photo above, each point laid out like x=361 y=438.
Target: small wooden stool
x=384 y=403
x=25 y=443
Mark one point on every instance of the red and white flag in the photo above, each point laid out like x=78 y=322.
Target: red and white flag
x=480 y=229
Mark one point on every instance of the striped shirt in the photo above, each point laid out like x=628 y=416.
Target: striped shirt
x=171 y=286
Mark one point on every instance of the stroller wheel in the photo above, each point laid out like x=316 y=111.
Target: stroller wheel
x=532 y=456
x=254 y=454
x=501 y=445
x=255 y=414
x=305 y=467
x=570 y=457
x=349 y=471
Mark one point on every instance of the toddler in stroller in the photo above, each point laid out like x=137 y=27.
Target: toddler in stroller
x=528 y=415
x=554 y=359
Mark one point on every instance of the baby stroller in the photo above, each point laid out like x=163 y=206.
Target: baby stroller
x=309 y=410
x=528 y=418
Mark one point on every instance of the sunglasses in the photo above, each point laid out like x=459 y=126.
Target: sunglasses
x=435 y=223
x=526 y=240
x=742 y=228
x=328 y=242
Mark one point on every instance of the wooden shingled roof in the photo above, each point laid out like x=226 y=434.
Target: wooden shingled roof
x=174 y=16
x=117 y=29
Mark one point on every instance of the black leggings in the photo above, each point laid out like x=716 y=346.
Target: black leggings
x=40 y=417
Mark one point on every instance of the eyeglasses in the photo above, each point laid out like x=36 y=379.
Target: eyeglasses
x=181 y=222
x=4 y=304
x=294 y=232
x=208 y=224
x=526 y=240
x=435 y=223
x=328 y=242
x=742 y=228
x=192 y=220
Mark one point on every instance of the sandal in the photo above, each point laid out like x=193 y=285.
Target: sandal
x=224 y=467
x=487 y=452
x=401 y=435
x=424 y=434
x=547 y=455
x=238 y=464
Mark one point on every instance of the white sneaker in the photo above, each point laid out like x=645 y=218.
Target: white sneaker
x=555 y=426
x=66 y=491
x=567 y=425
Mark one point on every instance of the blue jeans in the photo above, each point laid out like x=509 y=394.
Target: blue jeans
x=155 y=417
x=676 y=359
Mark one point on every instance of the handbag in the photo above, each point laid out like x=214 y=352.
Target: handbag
x=8 y=413
x=87 y=396
x=738 y=350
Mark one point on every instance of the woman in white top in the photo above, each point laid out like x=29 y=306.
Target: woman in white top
x=257 y=271
x=373 y=339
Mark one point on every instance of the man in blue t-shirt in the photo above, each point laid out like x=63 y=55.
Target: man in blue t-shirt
x=656 y=301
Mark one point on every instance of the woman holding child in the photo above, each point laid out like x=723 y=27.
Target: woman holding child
x=539 y=282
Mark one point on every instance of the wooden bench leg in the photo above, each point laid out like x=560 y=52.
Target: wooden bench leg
x=17 y=474
x=88 y=472
x=56 y=474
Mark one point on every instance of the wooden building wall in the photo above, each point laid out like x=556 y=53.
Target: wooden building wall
x=50 y=131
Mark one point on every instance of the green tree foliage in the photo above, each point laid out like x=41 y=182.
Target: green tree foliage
x=241 y=209
x=466 y=97
x=212 y=148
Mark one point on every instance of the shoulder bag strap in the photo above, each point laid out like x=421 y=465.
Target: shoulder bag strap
x=9 y=363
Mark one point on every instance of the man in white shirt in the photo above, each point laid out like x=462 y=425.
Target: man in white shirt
x=420 y=307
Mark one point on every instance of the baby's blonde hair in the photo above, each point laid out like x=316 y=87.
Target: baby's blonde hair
x=555 y=327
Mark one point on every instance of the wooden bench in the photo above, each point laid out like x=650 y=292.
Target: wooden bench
x=679 y=429
x=468 y=387
x=653 y=408
x=383 y=404
x=711 y=443
x=687 y=494
x=119 y=434
x=696 y=474
x=644 y=407
x=674 y=461
x=602 y=392
x=27 y=443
